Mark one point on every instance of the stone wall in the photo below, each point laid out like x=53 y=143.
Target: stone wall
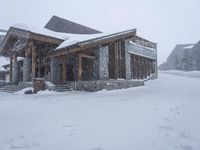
x=93 y=86
x=103 y=63
x=55 y=70
x=15 y=72
x=2 y=83
x=24 y=85
x=128 y=61
x=26 y=69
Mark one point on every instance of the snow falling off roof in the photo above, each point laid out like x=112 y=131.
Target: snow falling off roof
x=3 y=61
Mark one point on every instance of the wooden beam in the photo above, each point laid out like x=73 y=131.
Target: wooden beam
x=79 y=67
x=33 y=48
x=64 y=68
x=27 y=52
x=87 y=56
x=11 y=62
x=116 y=60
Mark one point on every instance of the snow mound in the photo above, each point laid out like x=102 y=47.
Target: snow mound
x=46 y=92
x=3 y=61
x=24 y=90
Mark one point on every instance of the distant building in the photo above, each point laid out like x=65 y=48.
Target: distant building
x=185 y=57
x=2 y=35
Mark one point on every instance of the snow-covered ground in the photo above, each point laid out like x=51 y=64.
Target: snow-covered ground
x=195 y=74
x=162 y=115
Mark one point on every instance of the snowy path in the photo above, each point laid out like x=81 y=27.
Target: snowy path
x=163 y=115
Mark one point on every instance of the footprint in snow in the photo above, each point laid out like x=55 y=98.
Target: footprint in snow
x=24 y=146
x=169 y=120
x=9 y=141
x=166 y=128
x=187 y=147
x=187 y=136
x=97 y=148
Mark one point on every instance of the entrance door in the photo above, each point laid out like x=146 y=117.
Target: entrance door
x=87 y=69
x=70 y=72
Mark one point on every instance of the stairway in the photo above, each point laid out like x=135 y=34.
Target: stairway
x=10 y=88
x=15 y=88
x=63 y=88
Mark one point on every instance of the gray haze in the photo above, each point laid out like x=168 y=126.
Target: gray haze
x=166 y=22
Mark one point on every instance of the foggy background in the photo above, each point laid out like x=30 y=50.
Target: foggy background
x=167 y=23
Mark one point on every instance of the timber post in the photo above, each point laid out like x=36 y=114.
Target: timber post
x=27 y=66
x=79 y=67
x=11 y=65
x=15 y=69
x=33 y=48
x=64 y=68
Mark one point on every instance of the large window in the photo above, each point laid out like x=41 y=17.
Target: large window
x=117 y=60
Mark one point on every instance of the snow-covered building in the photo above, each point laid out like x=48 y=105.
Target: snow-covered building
x=65 y=52
x=185 y=57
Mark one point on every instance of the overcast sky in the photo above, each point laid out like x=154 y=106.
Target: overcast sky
x=166 y=22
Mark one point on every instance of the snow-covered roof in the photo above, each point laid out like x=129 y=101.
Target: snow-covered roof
x=69 y=38
x=59 y=24
x=3 y=61
x=42 y=31
x=77 y=38
x=20 y=58
x=188 y=47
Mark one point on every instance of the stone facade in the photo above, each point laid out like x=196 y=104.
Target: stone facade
x=93 y=86
x=55 y=70
x=103 y=63
x=128 y=61
x=15 y=72
x=26 y=69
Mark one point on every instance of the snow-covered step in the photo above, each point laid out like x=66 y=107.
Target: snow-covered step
x=63 y=88
x=10 y=88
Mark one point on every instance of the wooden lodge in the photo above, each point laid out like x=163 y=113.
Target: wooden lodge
x=66 y=52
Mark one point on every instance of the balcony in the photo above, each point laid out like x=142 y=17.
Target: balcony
x=136 y=49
